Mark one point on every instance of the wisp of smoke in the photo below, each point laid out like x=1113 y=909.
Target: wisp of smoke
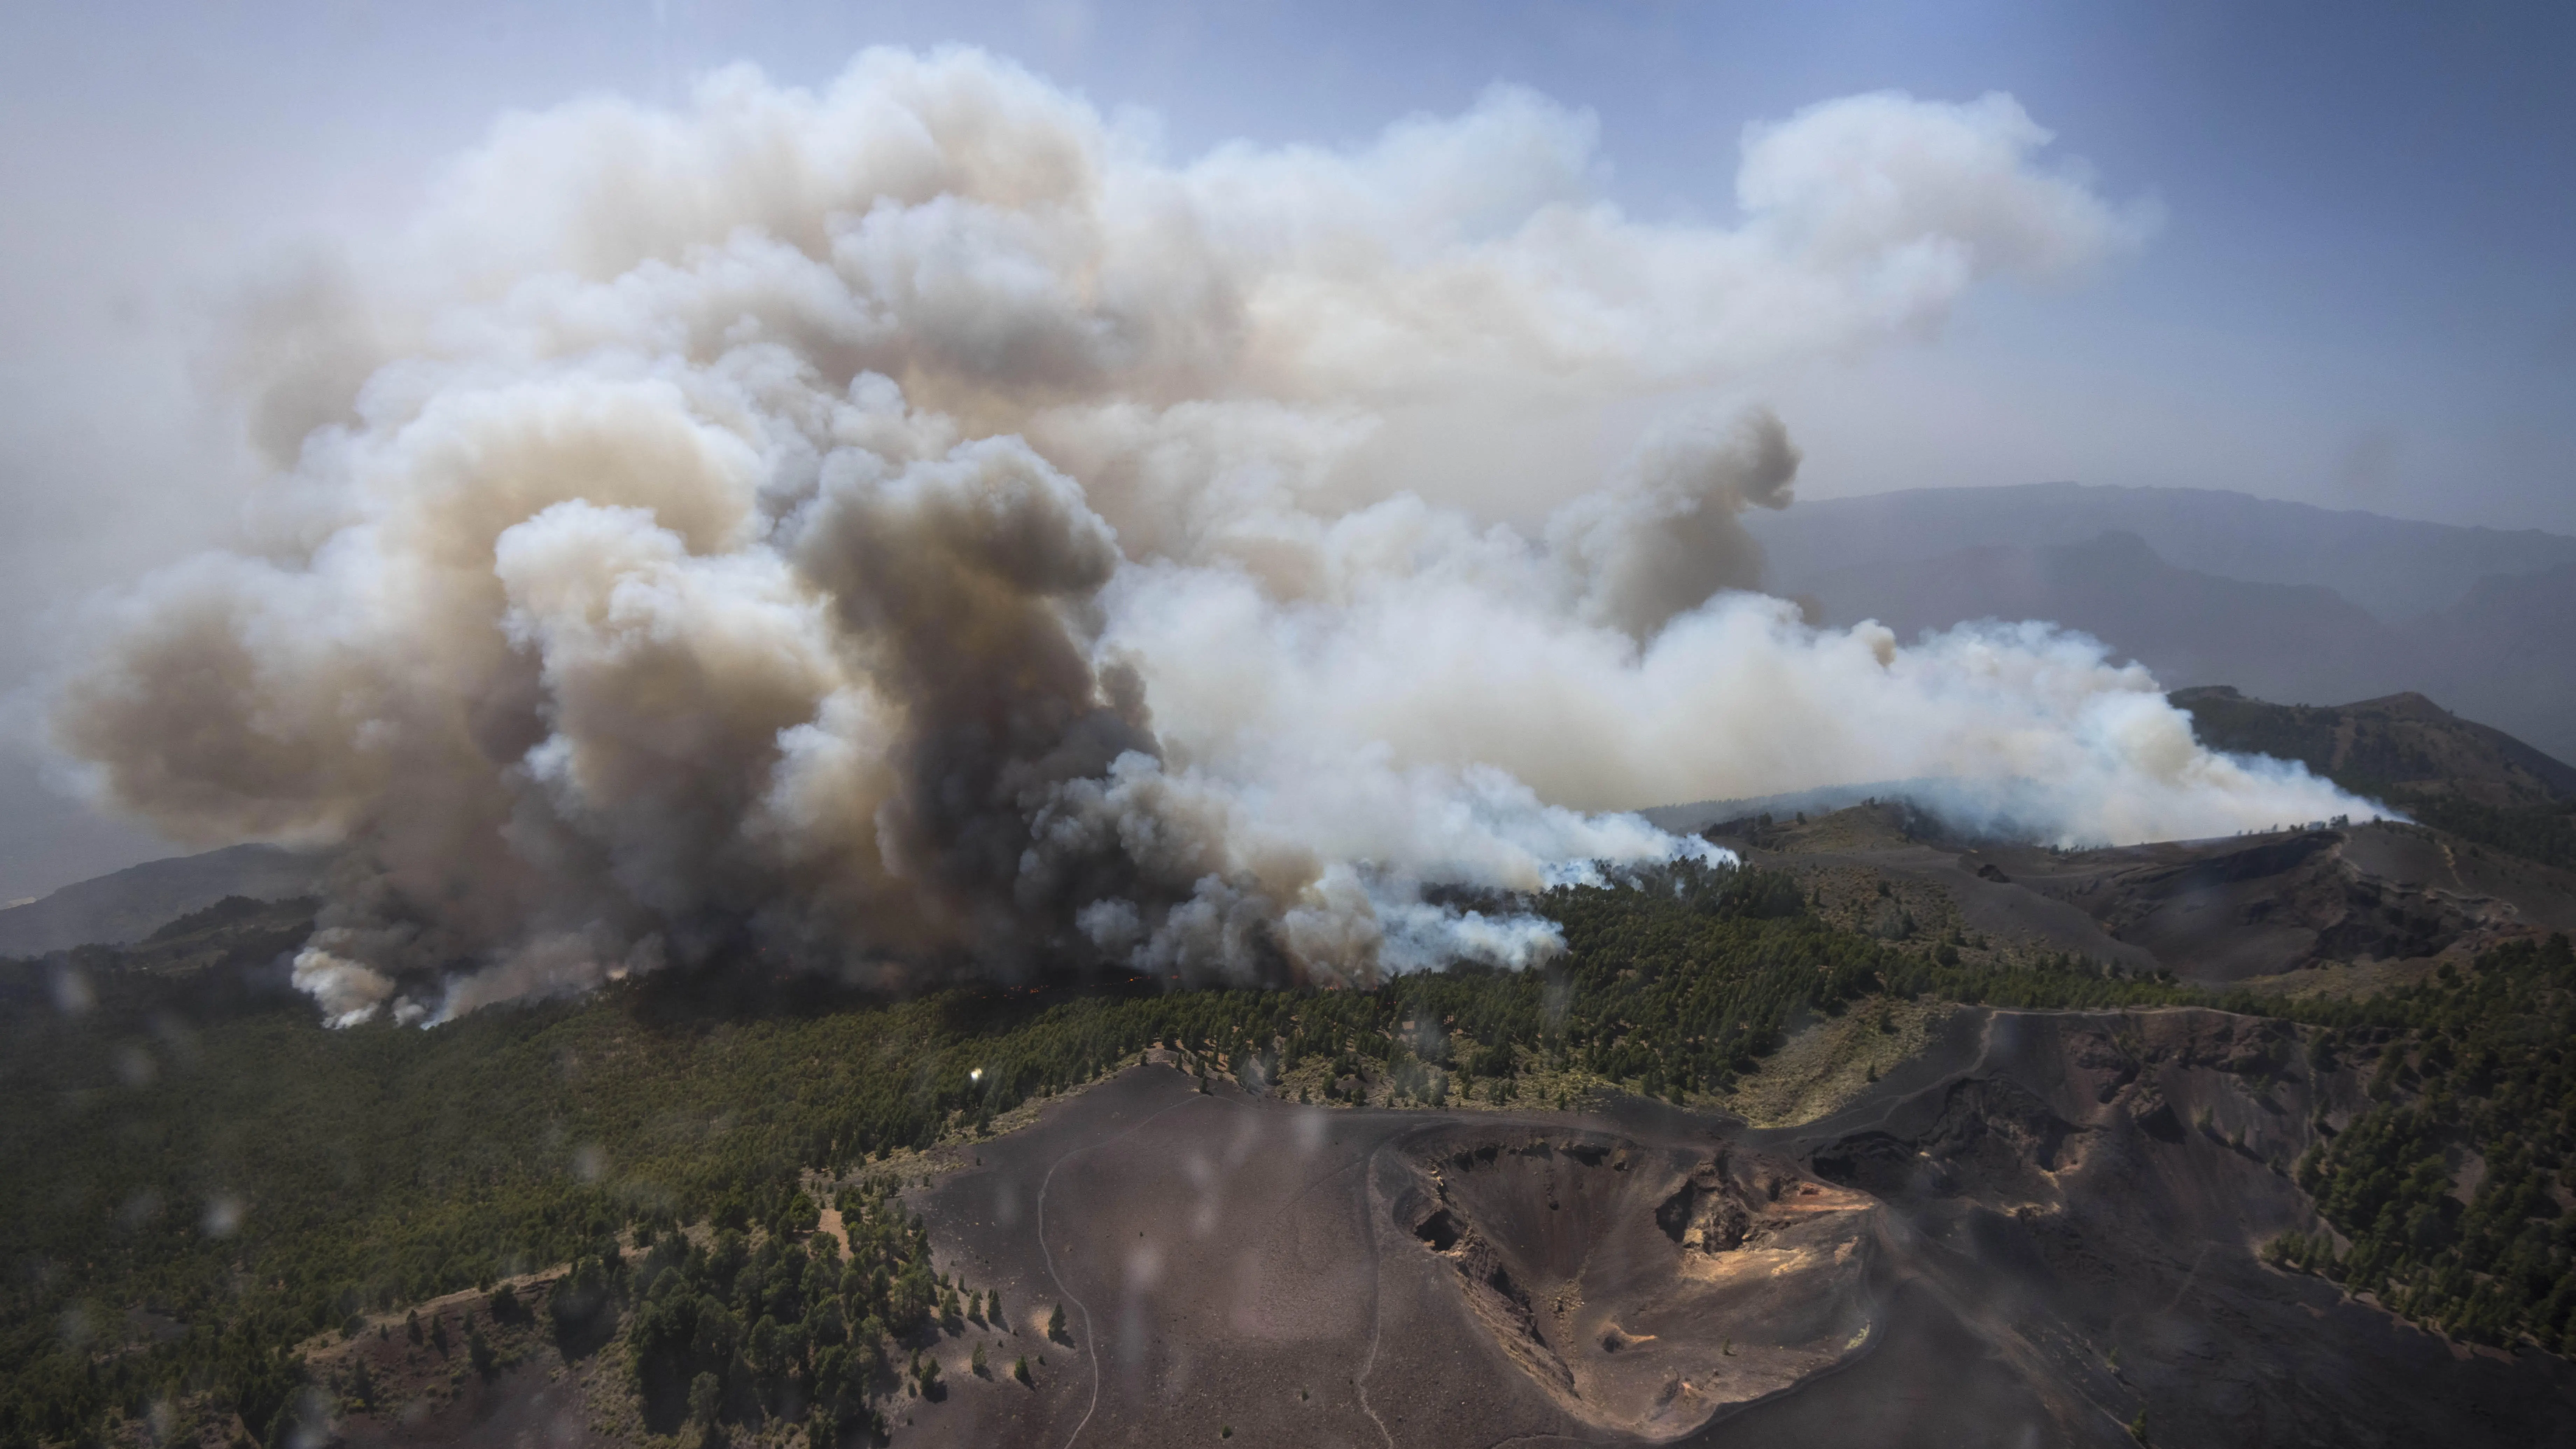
x=914 y=529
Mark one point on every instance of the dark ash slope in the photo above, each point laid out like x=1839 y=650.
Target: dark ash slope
x=2038 y=1232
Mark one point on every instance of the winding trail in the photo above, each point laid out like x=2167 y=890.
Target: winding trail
x=1090 y=1339
x=1377 y=1300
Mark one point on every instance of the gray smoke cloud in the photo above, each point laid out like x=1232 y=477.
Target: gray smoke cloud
x=1665 y=538
x=912 y=528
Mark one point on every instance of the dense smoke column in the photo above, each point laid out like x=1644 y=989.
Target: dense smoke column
x=912 y=530
x=969 y=583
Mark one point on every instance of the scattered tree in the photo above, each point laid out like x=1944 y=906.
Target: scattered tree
x=706 y=1395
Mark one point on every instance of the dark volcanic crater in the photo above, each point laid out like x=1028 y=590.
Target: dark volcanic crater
x=2040 y=1229
x=1646 y=1289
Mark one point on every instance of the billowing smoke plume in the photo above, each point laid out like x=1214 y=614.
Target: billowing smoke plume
x=912 y=529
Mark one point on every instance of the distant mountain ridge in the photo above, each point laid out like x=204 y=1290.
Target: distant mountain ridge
x=2506 y=653
x=2394 y=568
x=2286 y=602
x=2282 y=641
x=131 y=904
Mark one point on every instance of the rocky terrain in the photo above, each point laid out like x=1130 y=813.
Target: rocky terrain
x=1475 y=1211
x=2042 y=1229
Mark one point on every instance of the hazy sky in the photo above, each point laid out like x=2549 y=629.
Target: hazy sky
x=2359 y=295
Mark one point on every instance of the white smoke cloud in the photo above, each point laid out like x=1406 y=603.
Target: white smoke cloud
x=913 y=527
x=347 y=992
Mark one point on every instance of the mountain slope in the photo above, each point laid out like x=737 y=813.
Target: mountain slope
x=133 y=903
x=2470 y=779
x=2499 y=652
x=2505 y=653
x=2394 y=568
x=2291 y=641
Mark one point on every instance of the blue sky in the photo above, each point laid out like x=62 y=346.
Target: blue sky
x=2360 y=295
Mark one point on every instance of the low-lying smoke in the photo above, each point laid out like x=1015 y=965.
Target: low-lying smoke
x=913 y=529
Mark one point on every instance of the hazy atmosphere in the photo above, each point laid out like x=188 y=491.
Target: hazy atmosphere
x=2302 y=263
x=795 y=726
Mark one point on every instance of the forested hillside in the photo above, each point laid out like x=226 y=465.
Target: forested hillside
x=2471 y=1070
x=203 y=1178
x=214 y=1160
